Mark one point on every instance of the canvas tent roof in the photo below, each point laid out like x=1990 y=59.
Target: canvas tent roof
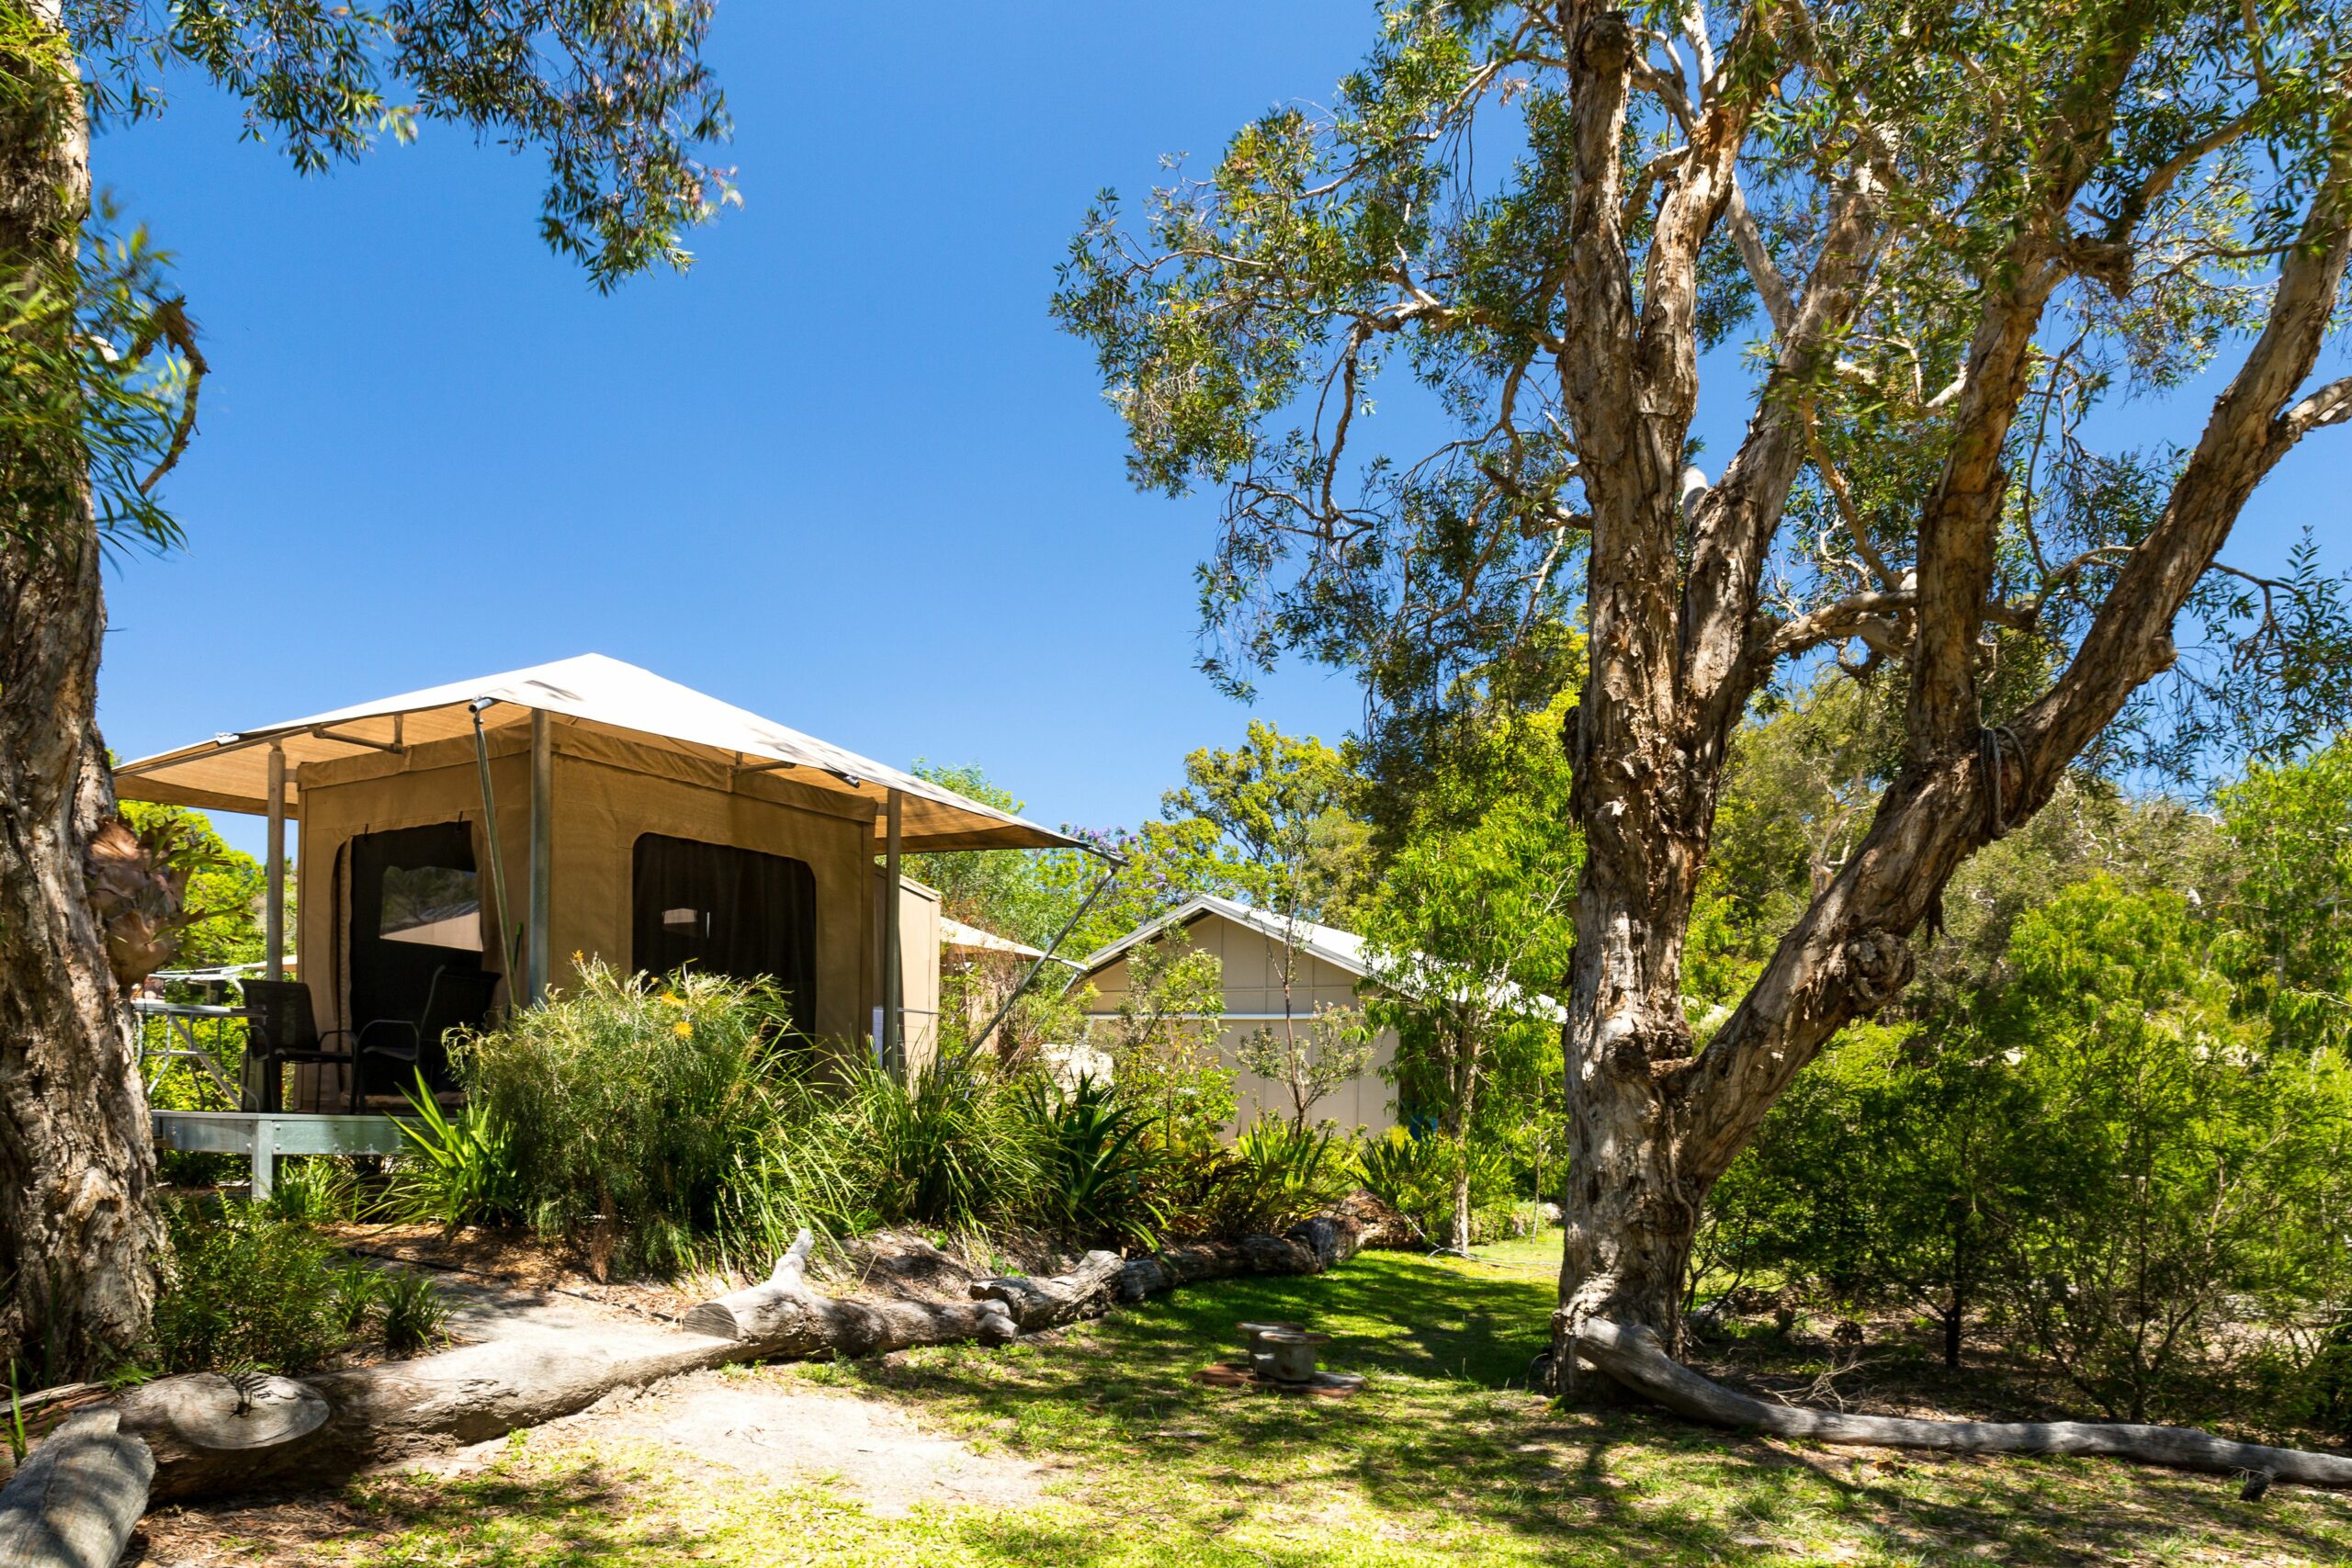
x=956 y=933
x=231 y=771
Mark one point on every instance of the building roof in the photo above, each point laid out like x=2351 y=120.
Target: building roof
x=231 y=771
x=1343 y=950
x=1330 y=943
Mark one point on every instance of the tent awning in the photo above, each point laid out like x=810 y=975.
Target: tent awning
x=231 y=771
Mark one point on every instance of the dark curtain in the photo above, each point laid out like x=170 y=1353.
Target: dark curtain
x=727 y=911
x=416 y=910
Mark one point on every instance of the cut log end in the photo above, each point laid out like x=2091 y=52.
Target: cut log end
x=208 y=1410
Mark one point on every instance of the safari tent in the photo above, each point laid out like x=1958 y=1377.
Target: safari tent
x=502 y=825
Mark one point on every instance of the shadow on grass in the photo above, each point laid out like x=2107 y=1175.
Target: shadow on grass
x=1445 y=1438
x=580 y=1513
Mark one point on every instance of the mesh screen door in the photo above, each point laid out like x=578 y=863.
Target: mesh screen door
x=727 y=911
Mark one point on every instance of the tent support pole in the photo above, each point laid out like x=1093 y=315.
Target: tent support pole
x=894 y=1008
x=497 y=861
x=542 y=847
x=273 y=900
x=1111 y=869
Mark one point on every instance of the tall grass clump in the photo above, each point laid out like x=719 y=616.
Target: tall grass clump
x=952 y=1146
x=654 y=1117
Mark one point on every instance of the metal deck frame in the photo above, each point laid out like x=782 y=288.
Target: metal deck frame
x=264 y=1135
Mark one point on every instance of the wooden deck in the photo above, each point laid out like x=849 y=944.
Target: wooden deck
x=264 y=1135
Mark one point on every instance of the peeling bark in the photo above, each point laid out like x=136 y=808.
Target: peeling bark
x=79 y=1235
x=1679 y=642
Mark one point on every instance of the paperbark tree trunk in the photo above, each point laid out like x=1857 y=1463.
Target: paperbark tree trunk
x=1681 y=636
x=79 y=1235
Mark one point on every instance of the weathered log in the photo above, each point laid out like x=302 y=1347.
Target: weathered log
x=73 y=1503
x=213 y=1437
x=1308 y=1247
x=1634 y=1356
x=782 y=1316
x=1085 y=1292
x=403 y=1408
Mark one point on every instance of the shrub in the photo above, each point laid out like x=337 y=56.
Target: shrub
x=355 y=1290
x=2106 y=1149
x=661 y=1107
x=245 y=1288
x=1272 y=1176
x=1414 y=1175
x=414 y=1313
x=1095 y=1163
x=948 y=1147
x=313 y=1190
x=459 y=1171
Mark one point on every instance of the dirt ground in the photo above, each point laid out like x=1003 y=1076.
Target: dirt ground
x=761 y=1425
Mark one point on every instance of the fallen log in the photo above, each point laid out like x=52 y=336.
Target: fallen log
x=213 y=1436
x=73 y=1504
x=1634 y=1356
x=782 y=1317
x=1308 y=1247
x=203 y=1447
x=1034 y=1304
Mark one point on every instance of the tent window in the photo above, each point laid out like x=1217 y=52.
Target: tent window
x=727 y=911
x=433 y=906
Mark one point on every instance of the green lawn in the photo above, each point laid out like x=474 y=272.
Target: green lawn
x=1443 y=1459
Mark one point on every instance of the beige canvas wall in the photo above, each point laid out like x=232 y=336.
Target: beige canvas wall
x=918 y=965
x=606 y=793
x=1251 y=965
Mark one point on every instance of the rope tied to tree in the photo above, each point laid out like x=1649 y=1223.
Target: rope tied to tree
x=1988 y=750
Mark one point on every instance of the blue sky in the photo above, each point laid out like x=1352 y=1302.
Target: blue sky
x=844 y=472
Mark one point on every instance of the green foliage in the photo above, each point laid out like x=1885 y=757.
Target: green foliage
x=414 y=1313
x=1253 y=320
x=460 y=1170
x=226 y=886
x=2180 y=1172
x=355 y=1292
x=245 y=1288
x=1308 y=1057
x=1417 y=1176
x=1471 y=933
x=2290 y=917
x=315 y=1189
x=1026 y=894
x=1270 y=825
x=1096 y=1165
x=618 y=96
x=948 y=1147
x=1163 y=1040
x=1271 y=1177
x=2102 y=1154
x=664 y=1108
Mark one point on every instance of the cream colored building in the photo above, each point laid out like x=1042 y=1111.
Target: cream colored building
x=1327 y=968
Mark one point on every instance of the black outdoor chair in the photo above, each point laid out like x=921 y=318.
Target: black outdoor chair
x=459 y=999
x=280 y=1029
